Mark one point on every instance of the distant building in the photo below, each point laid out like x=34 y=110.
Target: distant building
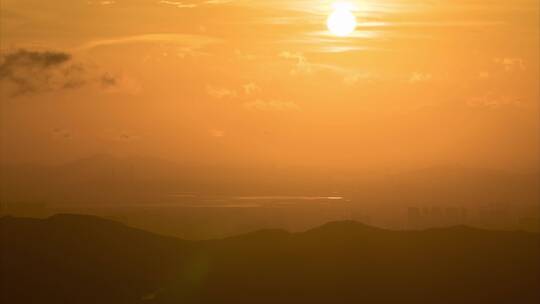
x=414 y=218
x=531 y=224
x=426 y=217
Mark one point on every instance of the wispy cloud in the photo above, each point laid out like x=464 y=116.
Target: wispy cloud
x=250 y=88
x=271 y=105
x=102 y=2
x=191 y=44
x=193 y=4
x=178 y=4
x=302 y=66
x=419 y=77
x=218 y=133
x=511 y=64
x=220 y=93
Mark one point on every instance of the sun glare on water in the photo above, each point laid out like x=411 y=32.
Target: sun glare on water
x=342 y=21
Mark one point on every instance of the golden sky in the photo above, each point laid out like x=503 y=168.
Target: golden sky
x=258 y=83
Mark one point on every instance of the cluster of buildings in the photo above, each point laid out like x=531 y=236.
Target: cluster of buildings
x=494 y=216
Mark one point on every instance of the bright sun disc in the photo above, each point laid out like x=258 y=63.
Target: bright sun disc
x=341 y=22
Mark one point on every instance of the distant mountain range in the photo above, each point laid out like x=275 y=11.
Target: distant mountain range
x=106 y=179
x=84 y=259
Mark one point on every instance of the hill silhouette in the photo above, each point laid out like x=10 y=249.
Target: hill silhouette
x=85 y=259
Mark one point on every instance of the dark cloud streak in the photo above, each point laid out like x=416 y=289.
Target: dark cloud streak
x=32 y=71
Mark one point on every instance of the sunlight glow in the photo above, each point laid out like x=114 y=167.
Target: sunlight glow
x=342 y=21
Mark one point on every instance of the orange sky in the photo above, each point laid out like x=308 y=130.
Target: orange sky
x=258 y=83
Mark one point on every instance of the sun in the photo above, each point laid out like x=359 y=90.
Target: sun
x=342 y=21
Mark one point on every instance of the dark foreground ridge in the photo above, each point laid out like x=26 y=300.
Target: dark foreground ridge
x=84 y=259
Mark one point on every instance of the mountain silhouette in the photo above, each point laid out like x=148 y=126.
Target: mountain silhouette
x=85 y=259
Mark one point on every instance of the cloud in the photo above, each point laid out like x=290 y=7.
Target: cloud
x=28 y=58
x=103 y=2
x=220 y=93
x=119 y=84
x=193 y=41
x=484 y=75
x=271 y=105
x=62 y=134
x=493 y=101
x=250 y=88
x=216 y=133
x=418 y=77
x=125 y=137
x=178 y=4
x=244 y=56
x=511 y=64
x=181 y=4
x=302 y=65
x=184 y=44
x=352 y=77
x=26 y=71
